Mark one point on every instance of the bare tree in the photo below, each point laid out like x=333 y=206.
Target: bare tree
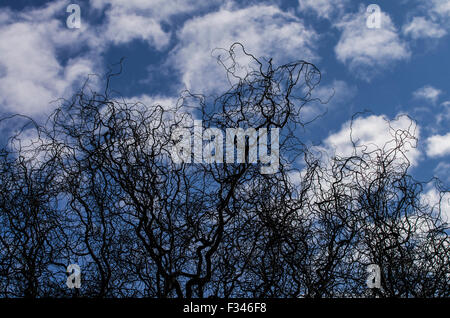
x=98 y=187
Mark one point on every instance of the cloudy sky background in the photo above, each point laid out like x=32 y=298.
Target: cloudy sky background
x=401 y=68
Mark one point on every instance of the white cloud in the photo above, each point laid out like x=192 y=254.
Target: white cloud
x=438 y=145
x=444 y=115
x=323 y=8
x=431 y=22
x=440 y=202
x=31 y=73
x=263 y=30
x=337 y=92
x=334 y=94
x=428 y=93
x=420 y=27
x=373 y=139
x=28 y=144
x=142 y=19
x=125 y=27
x=440 y=8
x=376 y=132
x=368 y=51
x=442 y=170
x=162 y=10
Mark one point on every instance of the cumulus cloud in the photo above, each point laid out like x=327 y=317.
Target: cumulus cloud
x=31 y=74
x=125 y=27
x=438 y=145
x=440 y=202
x=442 y=171
x=371 y=138
x=432 y=22
x=368 y=51
x=337 y=92
x=323 y=8
x=420 y=27
x=131 y=20
x=375 y=132
x=428 y=93
x=334 y=94
x=444 y=115
x=440 y=8
x=28 y=144
x=263 y=30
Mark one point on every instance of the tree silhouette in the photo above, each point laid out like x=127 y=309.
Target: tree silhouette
x=97 y=187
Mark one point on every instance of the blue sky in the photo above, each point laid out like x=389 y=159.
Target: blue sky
x=400 y=68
